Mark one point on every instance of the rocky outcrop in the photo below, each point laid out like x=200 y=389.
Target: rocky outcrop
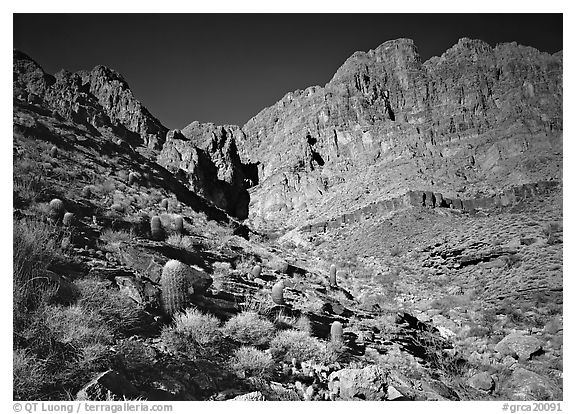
x=429 y=199
x=100 y=98
x=109 y=383
x=387 y=122
x=206 y=157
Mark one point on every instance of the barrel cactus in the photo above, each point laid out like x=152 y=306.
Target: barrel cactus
x=56 y=209
x=179 y=224
x=278 y=293
x=54 y=151
x=256 y=270
x=156 y=229
x=164 y=204
x=174 y=285
x=336 y=331
x=333 y=275
x=68 y=219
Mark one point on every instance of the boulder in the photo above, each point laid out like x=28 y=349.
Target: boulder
x=481 y=381
x=131 y=288
x=527 y=385
x=199 y=280
x=368 y=383
x=251 y=396
x=104 y=383
x=519 y=346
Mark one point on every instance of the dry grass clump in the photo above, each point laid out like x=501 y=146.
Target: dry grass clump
x=285 y=322
x=249 y=328
x=183 y=242
x=36 y=246
x=28 y=189
x=29 y=372
x=193 y=334
x=135 y=356
x=114 y=238
x=77 y=326
x=249 y=362
x=114 y=308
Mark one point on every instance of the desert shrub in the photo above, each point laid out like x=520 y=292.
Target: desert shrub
x=295 y=344
x=66 y=346
x=445 y=303
x=478 y=331
x=249 y=362
x=193 y=333
x=87 y=191
x=105 y=188
x=333 y=352
x=36 y=246
x=114 y=308
x=449 y=363
x=249 y=328
x=303 y=324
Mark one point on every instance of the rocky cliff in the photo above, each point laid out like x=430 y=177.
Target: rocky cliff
x=100 y=98
x=470 y=123
x=206 y=157
x=474 y=120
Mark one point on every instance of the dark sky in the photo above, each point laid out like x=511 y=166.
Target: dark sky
x=225 y=68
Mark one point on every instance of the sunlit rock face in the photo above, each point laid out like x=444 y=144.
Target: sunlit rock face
x=476 y=119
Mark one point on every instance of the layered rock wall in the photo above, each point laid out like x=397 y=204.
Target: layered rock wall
x=432 y=200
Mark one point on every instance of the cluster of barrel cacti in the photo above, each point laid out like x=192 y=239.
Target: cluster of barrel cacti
x=174 y=284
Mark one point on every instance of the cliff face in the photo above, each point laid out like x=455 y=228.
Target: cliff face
x=468 y=124
x=206 y=157
x=475 y=119
x=100 y=98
